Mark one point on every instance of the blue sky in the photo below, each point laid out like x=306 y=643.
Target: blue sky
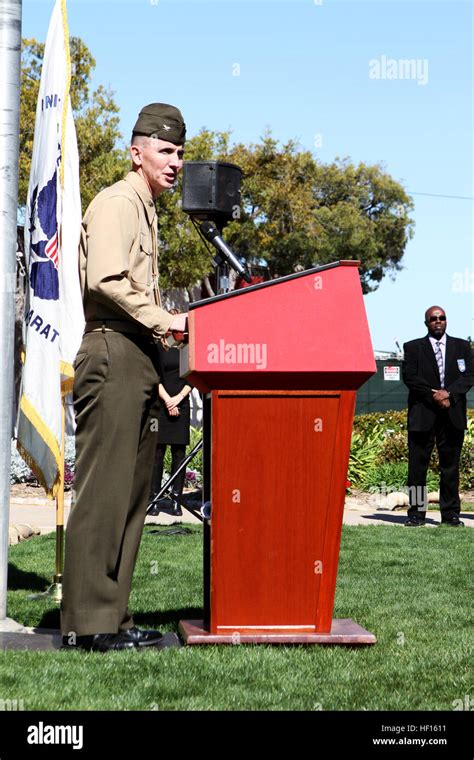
x=303 y=68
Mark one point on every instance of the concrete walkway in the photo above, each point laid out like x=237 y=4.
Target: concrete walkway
x=39 y=513
x=357 y=513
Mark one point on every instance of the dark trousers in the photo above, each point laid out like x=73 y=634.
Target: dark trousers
x=448 y=440
x=178 y=453
x=115 y=401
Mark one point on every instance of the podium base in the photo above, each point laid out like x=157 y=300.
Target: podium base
x=343 y=631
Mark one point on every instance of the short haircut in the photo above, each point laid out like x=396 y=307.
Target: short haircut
x=140 y=140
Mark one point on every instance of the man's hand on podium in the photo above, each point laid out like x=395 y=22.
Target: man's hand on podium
x=178 y=328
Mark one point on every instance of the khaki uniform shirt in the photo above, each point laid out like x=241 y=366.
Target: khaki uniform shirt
x=118 y=258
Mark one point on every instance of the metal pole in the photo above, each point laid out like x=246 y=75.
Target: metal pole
x=173 y=477
x=10 y=67
x=55 y=590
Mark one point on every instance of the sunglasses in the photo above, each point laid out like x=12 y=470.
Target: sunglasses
x=437 y=319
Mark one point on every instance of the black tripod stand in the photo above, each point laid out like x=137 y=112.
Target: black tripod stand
x=172 y=479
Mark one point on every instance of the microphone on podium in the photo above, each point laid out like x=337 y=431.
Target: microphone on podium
x=211 y=233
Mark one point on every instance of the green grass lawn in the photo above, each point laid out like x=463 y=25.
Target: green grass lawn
x=410 y=588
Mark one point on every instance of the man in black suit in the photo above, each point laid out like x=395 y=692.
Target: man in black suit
x=439 y=372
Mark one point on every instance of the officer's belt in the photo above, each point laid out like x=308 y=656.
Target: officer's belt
x=115 y=325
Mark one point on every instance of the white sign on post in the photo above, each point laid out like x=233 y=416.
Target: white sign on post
x=391 y=373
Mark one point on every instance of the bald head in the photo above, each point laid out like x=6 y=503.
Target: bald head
x=435 y=321
x=436 y=308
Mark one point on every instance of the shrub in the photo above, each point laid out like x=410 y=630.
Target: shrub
x=467 y=456
x=380 y=443
x=194 y=468
x=393 y=476
x=383 y=421
x=394 y=448
x=19 y=470
x=21 y=473
x=363 y=456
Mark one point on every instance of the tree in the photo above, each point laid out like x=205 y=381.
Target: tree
x=299 y=213
x=95 y=116
x=295 y=213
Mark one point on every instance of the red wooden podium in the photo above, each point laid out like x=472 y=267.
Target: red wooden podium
x=279 y=364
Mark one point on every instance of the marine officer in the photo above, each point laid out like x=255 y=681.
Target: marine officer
x=116 y=389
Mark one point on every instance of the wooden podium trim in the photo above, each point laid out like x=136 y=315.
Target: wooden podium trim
x=268 y=392
x=344 y=631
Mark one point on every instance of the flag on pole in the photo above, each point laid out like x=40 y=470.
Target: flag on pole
x=54 y=319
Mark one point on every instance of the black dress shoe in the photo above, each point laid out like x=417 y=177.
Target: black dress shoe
x=143 y=637
x=455 y=522
x=100 y=642
x=159 y=506
x=167 y=506
x=176 y=510
x=413 y=522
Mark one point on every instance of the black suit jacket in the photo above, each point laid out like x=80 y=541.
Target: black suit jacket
x=420 y=374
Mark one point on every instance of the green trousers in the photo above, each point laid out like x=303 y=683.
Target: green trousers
x=115 y=402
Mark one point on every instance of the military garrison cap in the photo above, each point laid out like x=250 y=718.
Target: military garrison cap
x=163 y=121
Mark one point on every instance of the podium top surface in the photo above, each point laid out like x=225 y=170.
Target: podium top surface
x=270 y=283
x=308 y=330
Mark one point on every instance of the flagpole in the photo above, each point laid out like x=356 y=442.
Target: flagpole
x=55 y=302
x=58 y=578
x=54 y=591
x=10 y=66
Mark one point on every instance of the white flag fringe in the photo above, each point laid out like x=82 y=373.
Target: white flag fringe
x=54 y=318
